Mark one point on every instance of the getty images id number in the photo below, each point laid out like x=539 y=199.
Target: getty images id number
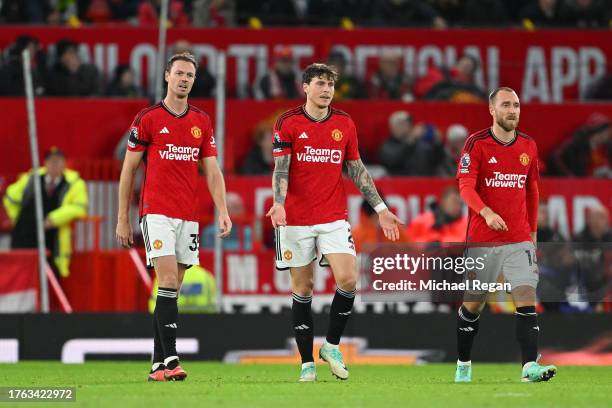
x=37 y=394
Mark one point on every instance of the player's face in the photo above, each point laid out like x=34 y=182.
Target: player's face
x=506 y=111
x=180 y=78
x=320 y=91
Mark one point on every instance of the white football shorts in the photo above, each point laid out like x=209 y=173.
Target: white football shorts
x=170 y=236
x=297 y=245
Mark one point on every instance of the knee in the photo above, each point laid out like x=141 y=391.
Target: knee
x=303 y=288
x=348 y=283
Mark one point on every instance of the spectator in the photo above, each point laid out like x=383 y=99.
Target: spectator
x=444 y=222
x=259 y=160
x=123 y=83
x=388 y=82
x=543 y=13
x=204 y=84
x=588 y=153
x=411 y=149
x=597 y=228
x=455 y=139
x=214 y=13
x=457 y=84
x=241 y=237
x=485 y=13
x=69 y=76
x=593 y=275
x=451 y=11
x=403 y=13
x=64 y=196
x=124 y=9
x=281 y=82
x=148 y=13
x=368 y=232
x=587 y=13
x=348 y=86
x=11 y=74
x=546 y=232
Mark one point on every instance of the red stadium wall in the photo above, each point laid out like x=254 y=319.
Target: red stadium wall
x=543 y=65
x=91 y=129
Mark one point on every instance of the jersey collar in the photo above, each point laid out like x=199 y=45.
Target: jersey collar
x=502 y=143
x=329 y=113
x=170 y=111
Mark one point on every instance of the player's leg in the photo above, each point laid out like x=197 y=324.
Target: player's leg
x=335 y=242
x=159 y=241
x=521 y=272
x=295 y=251
x=468 y=315
x=302 y=284
x=344 y=268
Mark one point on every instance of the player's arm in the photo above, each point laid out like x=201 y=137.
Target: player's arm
x=280 y=186
x=216 y=186
x=533 y=197
x=362 y=179
x=467 y=190
x=131 y=162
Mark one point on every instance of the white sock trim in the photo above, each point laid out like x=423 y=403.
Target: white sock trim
x=309 y=364
x=336 y=346
x=169 y=359
x=464 y=363
x=155 y=366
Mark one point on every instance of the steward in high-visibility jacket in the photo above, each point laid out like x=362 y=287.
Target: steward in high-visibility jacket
x=64 y=200
x=198 y=292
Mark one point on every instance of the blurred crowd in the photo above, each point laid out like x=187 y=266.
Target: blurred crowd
x=419 y=148
x=438 y=14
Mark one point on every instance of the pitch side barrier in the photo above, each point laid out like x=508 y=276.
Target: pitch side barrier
x=427 y=337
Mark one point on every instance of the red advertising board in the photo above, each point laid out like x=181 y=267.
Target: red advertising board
x=544 y=66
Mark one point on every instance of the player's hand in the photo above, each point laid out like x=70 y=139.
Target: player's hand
x=494 y=221
x=124 y=235
x=225 y=225
x=277 y=215
x=389 y=224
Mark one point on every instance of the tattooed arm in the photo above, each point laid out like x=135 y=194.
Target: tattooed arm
x=280 y=185
x=362 y=179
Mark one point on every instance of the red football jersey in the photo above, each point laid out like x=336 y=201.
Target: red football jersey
x=173 y=145
x=502 y=173
x=318 y=149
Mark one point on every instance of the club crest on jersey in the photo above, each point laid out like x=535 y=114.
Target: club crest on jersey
x=524 y=158
x=288 y=255
x=196 y=132
x=157 y=244
x=336 y=135
x=464 y=162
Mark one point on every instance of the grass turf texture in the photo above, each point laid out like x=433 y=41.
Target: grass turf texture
x=123 y=384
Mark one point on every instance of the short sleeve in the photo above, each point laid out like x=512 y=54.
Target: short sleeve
x=352 y=145
x=139 y=138
x=209 y=146
x=469 y=163
x=281 y=140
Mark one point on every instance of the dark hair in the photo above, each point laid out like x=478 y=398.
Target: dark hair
x=64 y=45
x=183 y=56
x=319 y=70
x=493 y=94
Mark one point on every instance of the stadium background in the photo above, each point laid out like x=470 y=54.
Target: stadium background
x=560 y=66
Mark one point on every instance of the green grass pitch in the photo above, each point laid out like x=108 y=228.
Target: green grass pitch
x=123 y=384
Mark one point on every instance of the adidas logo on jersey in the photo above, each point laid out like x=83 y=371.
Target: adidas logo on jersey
x=164 y=131
x=492 y=160
x=303 y=136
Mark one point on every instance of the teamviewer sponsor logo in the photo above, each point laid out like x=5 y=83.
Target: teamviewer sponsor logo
x=180 y=153
x=506 y=180
x=313 y=155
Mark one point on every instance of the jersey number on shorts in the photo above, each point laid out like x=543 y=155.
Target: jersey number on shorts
x=194 y=242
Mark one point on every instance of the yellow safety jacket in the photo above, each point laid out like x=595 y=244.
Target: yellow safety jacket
x=73 y=205
x=198 y=292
